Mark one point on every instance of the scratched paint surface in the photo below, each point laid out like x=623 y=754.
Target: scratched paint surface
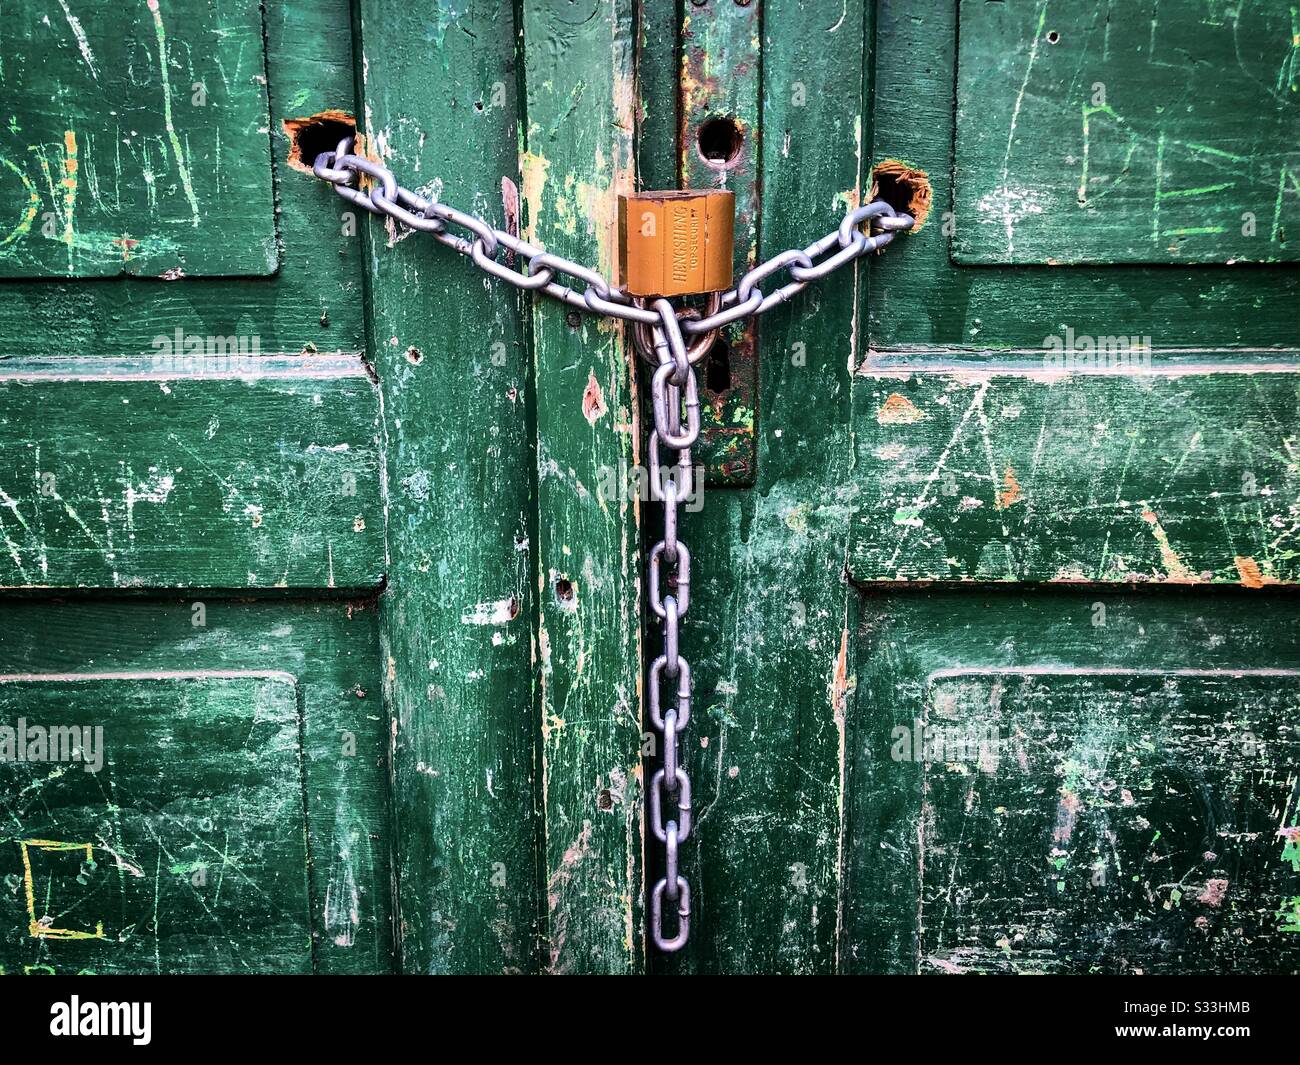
x=459 y=609
x=190 y=844
x=135 y=140
x=770 y=631
x=1040 y=786
x=1134 y=132
x=1145 y=734
x=580 y=103
x=920 y=300
x=312 y=301
x=219 y=737
x=129 y=474
x=1177 y=477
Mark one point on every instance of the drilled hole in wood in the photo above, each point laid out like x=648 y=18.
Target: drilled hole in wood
x=1053 y=37
x=564 y=590
x=905 y=188
x=719 y=141
x=310 y=136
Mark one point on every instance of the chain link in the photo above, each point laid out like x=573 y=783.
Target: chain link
x=675 y=340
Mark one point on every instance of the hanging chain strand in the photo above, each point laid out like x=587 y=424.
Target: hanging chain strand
x=673 y=387
x=660 y=332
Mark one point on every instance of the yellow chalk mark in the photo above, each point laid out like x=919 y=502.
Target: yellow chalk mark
x=70 y=166
x=34 y=927
x=29 y=212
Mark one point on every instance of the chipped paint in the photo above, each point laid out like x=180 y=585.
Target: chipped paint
x=899 y=410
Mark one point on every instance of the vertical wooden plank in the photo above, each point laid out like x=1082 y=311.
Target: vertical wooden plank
x=438 y=87
x=658 y=91
x=578 y=67
x=721 y=93
x=769 y=628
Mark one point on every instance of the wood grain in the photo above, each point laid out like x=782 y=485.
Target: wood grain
x=580 y=103
x=178 y=472
x=448 y=347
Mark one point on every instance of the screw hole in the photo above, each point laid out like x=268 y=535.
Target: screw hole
x=564 y=590
x=719 y=141
x=1053 y=37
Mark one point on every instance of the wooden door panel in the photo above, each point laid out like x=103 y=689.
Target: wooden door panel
x=1180 y=475
x=1075 y=781
x=312 y=300
x=1089 y=133
x=177 y=458
x=228 y=728
x=141 y=145
x=919 y=300
x=1067 y=774
x=190 y=471
x=187 y=843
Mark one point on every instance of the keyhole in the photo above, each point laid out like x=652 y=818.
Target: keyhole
x=719 y=141
x=717 y=371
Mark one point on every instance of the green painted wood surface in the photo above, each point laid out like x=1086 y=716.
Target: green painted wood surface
x=216 y=472
x=314 y=299
x=721 y=61
x=1147 y=132
x=439 y=95
x=580 y=107
x=1174 y=476
x=1103 y=782
x=180 y=847
x=769 y=634
x=136 y=140
x=220 y=736
x=1136 y=811
x=921 y=301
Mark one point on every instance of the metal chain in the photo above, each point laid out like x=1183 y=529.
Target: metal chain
x=660 y=332
x=485 y=244
x=674 y=392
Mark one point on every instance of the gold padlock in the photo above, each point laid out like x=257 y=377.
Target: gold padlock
x=675 y=243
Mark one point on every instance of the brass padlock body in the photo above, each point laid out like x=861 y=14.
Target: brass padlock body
x=675 y=243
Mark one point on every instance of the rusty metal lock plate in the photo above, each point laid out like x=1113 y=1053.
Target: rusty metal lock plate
x=675 y=243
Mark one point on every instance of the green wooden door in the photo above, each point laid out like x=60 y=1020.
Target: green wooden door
x=192 y=728
x=991 y=632
x=1075 y=438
